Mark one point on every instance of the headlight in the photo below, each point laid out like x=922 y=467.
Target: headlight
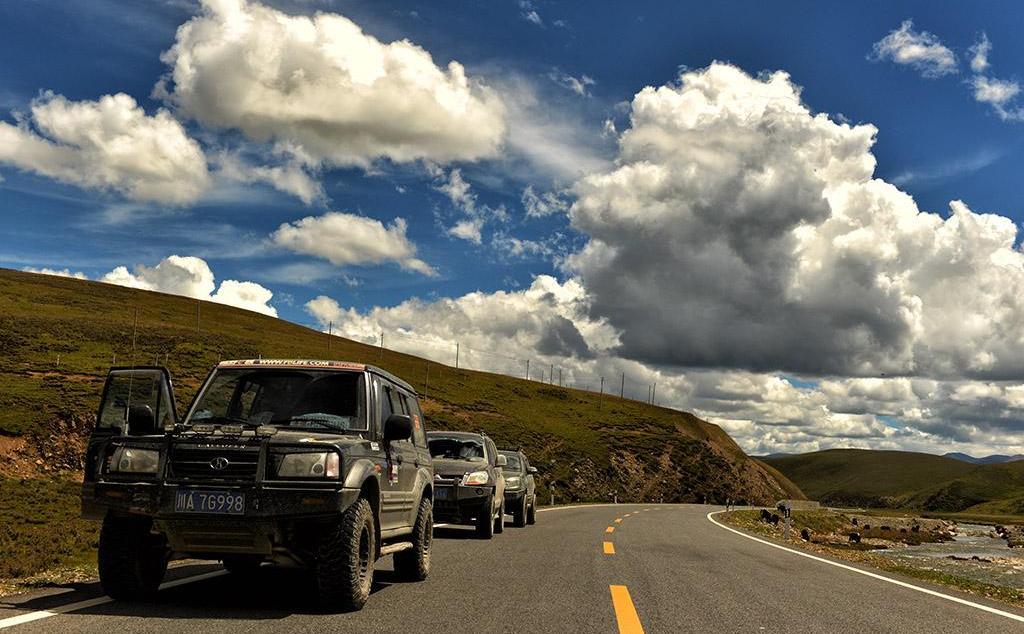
x=134 y=460
x=476 y=478
x=326 y=464
x=513 y=481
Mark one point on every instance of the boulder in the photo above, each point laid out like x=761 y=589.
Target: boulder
x=1015 y=536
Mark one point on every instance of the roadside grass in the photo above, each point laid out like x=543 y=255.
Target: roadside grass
x=40 y=527
x=820 y=521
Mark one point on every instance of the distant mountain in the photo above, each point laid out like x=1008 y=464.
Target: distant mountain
x=902 y=479
x=993 y=459
x=773 y=456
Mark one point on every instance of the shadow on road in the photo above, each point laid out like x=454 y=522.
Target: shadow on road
x=462 y=532
x=267 y=594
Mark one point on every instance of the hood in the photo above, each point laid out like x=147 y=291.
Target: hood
x=282 y=437
x=457 y=467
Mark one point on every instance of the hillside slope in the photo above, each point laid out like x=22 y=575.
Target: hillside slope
x=589 y=450
x=901 y=479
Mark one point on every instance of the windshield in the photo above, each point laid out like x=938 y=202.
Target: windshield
x=311 y=399
x=514 y=464
x=456 y=448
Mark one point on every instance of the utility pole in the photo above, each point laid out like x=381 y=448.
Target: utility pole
x=654 y=393
x=560 y=377
x=527 y=369
x=551 y=375
x=456 y=355
x=135 y=332
x=600 y=396
x=381 y=345
x=622 y=387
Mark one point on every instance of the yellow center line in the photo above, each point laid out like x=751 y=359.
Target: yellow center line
x=610 y=529
x=609 y=548
x=625 y=613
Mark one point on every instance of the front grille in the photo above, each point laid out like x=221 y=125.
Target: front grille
x=198 y=463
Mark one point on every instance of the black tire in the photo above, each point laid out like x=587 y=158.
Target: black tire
x=531 y=512
x=519 y=514
x=132 y=561
x=242 y=564
x=414 y=564
x=485 y=521
x=345 y=560
x=499 y=522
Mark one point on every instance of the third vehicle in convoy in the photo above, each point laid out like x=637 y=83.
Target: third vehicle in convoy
x=469 y=487
x=520 y=488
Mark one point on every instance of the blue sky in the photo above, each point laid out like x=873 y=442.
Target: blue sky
x=935 y=141
x=85 y=50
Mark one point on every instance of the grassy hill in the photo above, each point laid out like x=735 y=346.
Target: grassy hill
x=900 y=479
x=588 y=450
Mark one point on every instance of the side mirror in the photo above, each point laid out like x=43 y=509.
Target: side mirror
x=502 y=461
x=397 y=427
x=531 y=470
x=141 y=420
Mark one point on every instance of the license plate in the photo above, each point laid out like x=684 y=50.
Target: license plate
x=216 y=502
x=442 y=494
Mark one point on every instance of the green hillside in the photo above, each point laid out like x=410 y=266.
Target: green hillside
x=589 y=450
x=901 y=479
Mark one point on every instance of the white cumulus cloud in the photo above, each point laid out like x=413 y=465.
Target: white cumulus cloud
x=348 y=239
x=326 y=91
x=920 y=50
x=759 y=231
x=110 y=144
x=192 y=277
x=78 y=275
x=979 y=54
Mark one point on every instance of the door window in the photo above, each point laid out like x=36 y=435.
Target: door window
x=418 y=436
x=139 y=395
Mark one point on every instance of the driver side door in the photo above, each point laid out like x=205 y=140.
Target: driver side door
x=135 y=402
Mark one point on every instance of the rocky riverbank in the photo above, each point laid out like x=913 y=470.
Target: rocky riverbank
x=970 y=557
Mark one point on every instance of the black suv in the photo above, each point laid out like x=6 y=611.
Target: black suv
x=520 y=488
x=321 y=464
x=469 y=487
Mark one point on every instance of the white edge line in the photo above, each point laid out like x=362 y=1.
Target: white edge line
x=574 y=506
x=28 y=617
x=979 y=606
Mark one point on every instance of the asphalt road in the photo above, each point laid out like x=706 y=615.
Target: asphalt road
x=672 y=570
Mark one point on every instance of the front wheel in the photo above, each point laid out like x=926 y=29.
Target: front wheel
x=519 y=514
x=485 y=521
x=499 y=522
x=531 y=512
x=345 y=559
x=132 y=560
x=414 y=564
